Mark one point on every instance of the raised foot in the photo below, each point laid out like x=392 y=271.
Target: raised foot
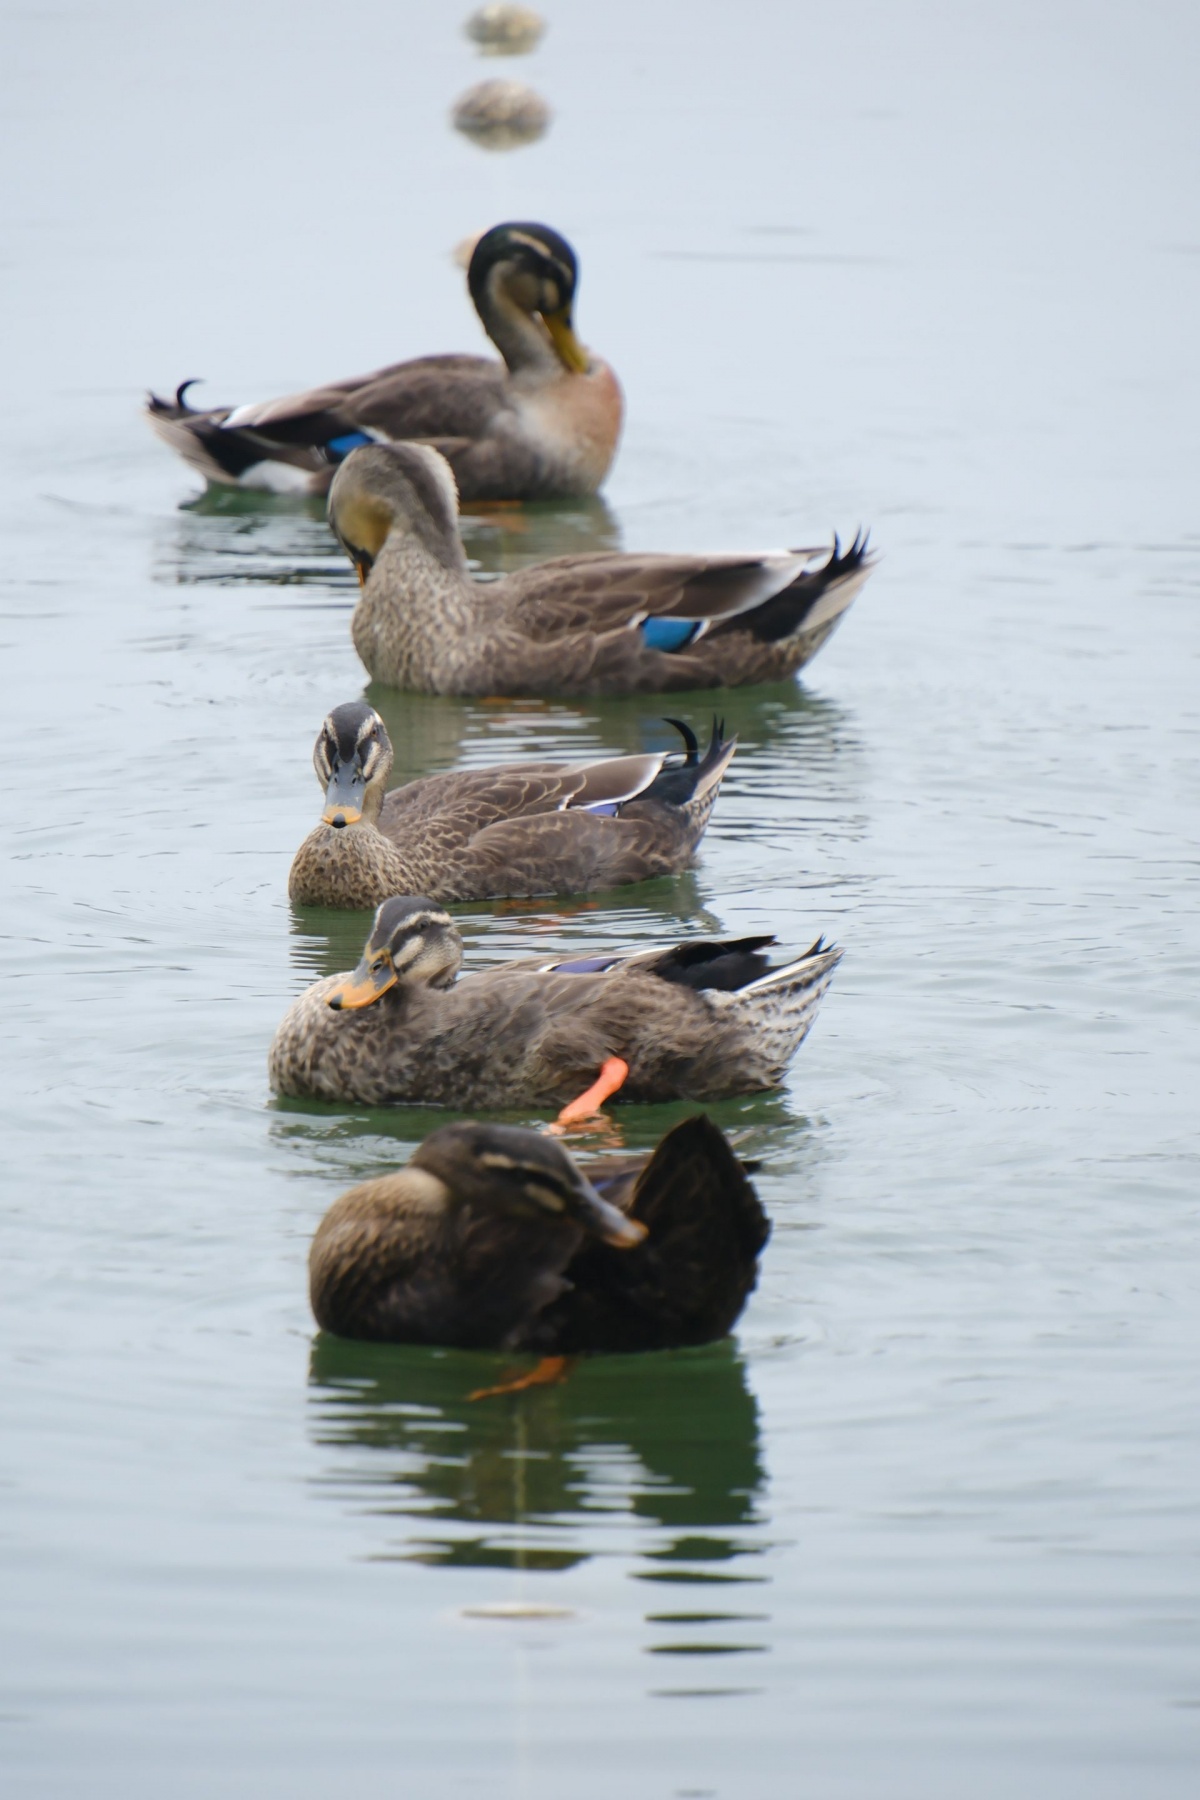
x=613 y=1072
x=545 y=1373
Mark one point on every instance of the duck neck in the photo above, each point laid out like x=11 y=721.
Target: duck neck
x=519 y=336
x=414 y=604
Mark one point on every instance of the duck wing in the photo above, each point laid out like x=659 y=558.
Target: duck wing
x=466 y=801
x=689 y=1280
x=446 y=401
x=613 y=592
x=525 y=830
x=431 y=397
x=560 y=830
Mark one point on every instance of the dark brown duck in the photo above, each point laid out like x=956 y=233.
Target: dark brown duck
x=492 y=1238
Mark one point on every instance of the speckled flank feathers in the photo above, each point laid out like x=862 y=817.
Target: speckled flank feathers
x=701 y=1021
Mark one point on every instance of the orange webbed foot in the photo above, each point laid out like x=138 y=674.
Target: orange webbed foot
x=545 y=1373
x=613 y=1072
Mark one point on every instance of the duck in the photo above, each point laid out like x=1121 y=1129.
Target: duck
x=701 y=1020
x=508 y=832
x=607 y=623
x=543 y=424
x=493 y=1238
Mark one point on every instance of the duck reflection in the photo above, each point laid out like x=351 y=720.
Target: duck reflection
x=349 y=1146
x=234 y=534
x=506 y=535
x=327 y=940
x=539 y=1480
x=226 y=535
x=776 y=727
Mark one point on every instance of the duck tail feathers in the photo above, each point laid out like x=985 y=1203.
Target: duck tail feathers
x=694 y=783
x=229 y=456
x=779 y=1007
x=193 y=436
x=816 y=599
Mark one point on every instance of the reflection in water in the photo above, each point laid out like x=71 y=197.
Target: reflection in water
x=538 y=1480
x=327 y=940
x=242 y=535
x=653 y=1459
x=230 y=535
x=359 y=1144
x=508 y=535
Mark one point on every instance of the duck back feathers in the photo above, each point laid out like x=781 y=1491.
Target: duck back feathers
x=690 y=1278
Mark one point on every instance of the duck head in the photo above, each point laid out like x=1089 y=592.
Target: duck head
x=521 y=274
x=523 y=1173
x=413 y=941
x=353 y=759
x=401 y=490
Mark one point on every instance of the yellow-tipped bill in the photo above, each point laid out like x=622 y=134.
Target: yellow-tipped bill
x=368 y=982
x=569 y=348
x=343 y=796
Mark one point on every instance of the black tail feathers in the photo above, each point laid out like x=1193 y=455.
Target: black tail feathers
x=678 y=781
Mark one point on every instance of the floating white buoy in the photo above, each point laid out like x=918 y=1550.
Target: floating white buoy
x=501 y=114
x=505 y=30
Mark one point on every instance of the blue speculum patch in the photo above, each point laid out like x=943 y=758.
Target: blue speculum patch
x=342 y=446
x=668 y=634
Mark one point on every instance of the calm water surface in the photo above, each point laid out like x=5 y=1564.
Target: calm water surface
x=930 y=1524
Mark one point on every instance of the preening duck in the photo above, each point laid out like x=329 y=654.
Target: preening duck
x=702 y=1020
x=493 y=1238
x=482 y=834
x=543 y=424
x=597 y=624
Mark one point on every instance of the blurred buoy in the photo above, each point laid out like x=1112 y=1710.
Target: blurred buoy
x=517 y=1609
x=505 y=30
x=501 y=114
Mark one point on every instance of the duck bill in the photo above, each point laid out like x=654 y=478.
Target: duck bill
x=602 y=1220
x=343 y=798
x=562 y=333
x=363 y=988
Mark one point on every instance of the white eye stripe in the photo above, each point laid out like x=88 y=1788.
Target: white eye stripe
x=545 y=1196
x=535 y=1179
x=426 y=918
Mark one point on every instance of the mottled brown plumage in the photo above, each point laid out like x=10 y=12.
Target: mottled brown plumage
x=601 y=624
x=493 y=1238
x=699 y=1021
x=480 y=834
x=543 y=424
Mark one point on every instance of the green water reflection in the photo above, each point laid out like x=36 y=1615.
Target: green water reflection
x=538 y=1480
x=236 y=535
